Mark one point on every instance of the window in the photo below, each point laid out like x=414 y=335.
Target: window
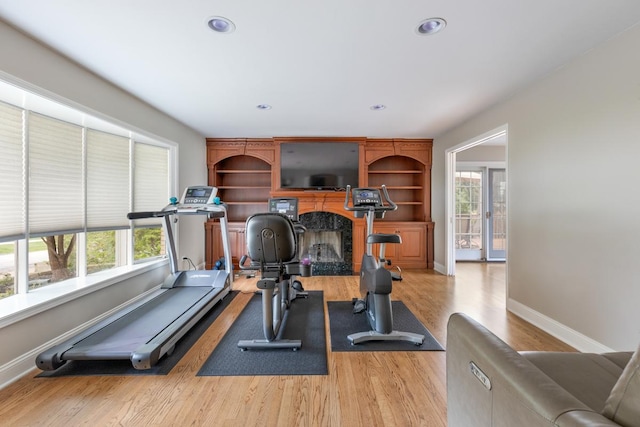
x=469 y=209
x=108 y=200
x=53 y=258
x=12 y=193
x=151 y=191
x=66 y=190
x=147 y=243
x=102 y=253
x=56 y=198
x=108 y=181
x=12 y=226
x=7 y=269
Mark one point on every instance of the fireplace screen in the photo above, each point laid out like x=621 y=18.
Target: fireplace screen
x=322 y=246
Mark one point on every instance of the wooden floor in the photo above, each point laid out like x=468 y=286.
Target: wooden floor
x=362 y=388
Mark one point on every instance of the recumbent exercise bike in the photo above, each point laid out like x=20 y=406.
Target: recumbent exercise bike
x=375 y=280
x=272 y=246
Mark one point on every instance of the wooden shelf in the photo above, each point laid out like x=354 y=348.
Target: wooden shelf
x=241 y=170
x=395 y=171
x=252 y=171
x=253 y=202
x=243 y=187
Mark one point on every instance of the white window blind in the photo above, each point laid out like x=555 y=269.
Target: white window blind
x=12 y=220
x=56 y=202
x=108 y=181
x=151 y=180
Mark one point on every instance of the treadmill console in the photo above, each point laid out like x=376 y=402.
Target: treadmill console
x=366 y=197
x=199 y=195
x=287 y=206
x=196 y=199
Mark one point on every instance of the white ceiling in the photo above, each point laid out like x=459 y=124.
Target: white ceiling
x=322 y=65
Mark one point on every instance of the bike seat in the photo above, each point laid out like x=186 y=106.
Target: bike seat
x=383 y=238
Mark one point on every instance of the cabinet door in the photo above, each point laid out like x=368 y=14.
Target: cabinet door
x=390 y=252
x=214 y=244
x=411 y=253
x=237 y=243
x=414 y=245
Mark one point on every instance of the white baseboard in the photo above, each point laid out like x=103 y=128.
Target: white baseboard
x=26 y=363
x=573 y=338
x=440 y=268
x=17 y=368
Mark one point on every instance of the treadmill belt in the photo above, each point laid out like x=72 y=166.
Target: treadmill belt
x=123 y=336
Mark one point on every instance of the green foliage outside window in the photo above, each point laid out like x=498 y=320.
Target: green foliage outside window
x=6 y=285
x=101 y=251
x=465 y=191
x=147 y=243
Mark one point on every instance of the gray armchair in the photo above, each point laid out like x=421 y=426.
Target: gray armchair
x=490 y=384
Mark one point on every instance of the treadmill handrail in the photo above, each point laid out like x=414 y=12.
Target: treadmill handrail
x=150 y=214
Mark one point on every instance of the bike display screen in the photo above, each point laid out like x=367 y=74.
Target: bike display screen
x=366 y=197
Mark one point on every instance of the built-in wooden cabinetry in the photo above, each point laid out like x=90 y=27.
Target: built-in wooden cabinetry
x=241 y=170
x=404 y=167
x=247 y=171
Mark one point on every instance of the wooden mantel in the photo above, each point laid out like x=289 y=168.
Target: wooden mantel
x=316 y=200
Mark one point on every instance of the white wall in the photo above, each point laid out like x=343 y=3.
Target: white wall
x=24 y=59
x=482 y=153
x=574 y=209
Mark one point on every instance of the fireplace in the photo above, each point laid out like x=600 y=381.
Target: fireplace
x=327 y=243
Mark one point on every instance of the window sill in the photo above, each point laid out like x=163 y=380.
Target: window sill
x=19 y=307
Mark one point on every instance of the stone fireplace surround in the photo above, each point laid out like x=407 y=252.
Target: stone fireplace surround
x=328 y=242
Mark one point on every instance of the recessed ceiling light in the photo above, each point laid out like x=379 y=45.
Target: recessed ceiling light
x=221 y=25
x=378 y=107
x=263 y=107
x=431 y=26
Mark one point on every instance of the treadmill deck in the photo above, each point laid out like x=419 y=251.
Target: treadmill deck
x=127 y=333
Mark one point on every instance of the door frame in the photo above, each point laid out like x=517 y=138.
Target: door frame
x=450 y=194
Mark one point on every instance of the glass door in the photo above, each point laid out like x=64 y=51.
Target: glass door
x=469 y=215
x=497 y=215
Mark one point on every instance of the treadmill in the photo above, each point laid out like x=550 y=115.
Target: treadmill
x=145 y=331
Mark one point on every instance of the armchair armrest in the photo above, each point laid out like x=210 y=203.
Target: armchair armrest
x=490 y=384
x=584 y=418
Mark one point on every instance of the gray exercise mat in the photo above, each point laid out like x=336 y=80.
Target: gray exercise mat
x=304 y=321
x=342 y=322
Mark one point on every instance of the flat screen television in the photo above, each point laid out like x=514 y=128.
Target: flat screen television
x=318 y=165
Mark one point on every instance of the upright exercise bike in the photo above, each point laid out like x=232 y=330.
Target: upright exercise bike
x=375 y=280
